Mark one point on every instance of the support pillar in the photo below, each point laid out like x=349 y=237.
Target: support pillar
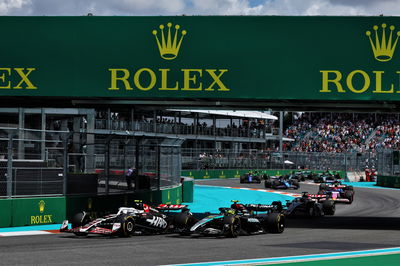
x=280 y=131
x=21 y=133
x=90 y=147
x=43 y=134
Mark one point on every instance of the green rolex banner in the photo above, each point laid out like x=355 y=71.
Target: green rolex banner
x=237 y=57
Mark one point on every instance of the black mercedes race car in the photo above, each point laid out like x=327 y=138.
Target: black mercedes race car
x=239 y=219
x=140 y=219
x=310 y=205
x=337 y=191
x=251 y=177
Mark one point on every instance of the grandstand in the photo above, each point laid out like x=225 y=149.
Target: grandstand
x=344 y=132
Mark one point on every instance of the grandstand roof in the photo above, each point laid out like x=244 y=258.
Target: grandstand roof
x=242 y=114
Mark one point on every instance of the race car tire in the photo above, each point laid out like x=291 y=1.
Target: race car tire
x=349 y=188
x=275 y=184
x=265 y=176
x=329 y=207
x=268 y=184
x=127 y=226
x=349 y=195
x=275 y=223
x=183 y=221
x=323 y=187
x=311 y=211
x=78 y=220
x=296 y=184
x=231 y=227
x=314 y=211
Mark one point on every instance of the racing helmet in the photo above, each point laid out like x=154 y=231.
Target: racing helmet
x=138 y=205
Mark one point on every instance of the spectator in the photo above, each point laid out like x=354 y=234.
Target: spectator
x=130 y=177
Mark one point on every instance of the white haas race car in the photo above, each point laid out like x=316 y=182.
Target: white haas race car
x=140 y=219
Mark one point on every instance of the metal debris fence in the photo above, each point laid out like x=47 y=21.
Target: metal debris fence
x=39 y=163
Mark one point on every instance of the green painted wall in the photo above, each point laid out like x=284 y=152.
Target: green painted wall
x=188 y=190
x=53 y=210
x=388 y=181
x=5 y=213
x=249 y=57
x=32 y=211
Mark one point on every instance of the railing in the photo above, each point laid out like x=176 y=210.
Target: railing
x=180 y=129
x=230 y=159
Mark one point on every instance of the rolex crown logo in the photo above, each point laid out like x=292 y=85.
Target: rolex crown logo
x=168 y=47
x=383 y=48
x=41 y=206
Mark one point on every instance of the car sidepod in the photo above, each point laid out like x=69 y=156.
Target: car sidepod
x=210 y=225
x=152 y=223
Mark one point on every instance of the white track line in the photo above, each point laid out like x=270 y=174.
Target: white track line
x=24 y=233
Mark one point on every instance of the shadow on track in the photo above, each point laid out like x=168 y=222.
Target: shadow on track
x=346 y=222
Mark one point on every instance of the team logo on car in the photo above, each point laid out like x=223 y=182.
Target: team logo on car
x=157 y=221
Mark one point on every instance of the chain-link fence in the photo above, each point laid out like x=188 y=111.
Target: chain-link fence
x=231 y=159
x=31 y=162
x=388 y=162
x=39 y=163
x=3 y=168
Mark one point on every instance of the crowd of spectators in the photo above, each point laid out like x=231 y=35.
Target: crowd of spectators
x=344 y=132
x=240 y=128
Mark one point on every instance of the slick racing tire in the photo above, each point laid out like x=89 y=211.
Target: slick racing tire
x=275 y=184
x=329 y=207
x=183 y=221
x=323 y=187
x=275 y=223
x=231 y=227
x=127 y=226
x=296 y=184
x=268 y=184
x=348 y=194
x=314 y=210
x=78 y=220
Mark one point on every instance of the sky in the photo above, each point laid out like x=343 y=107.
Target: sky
x=199 y=7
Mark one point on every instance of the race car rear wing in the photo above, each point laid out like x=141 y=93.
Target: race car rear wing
x=316 y=196
x=260 y=207
x=337 y=186
x=170 y=207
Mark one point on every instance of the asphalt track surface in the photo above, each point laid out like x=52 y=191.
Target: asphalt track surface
x=371 y=222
